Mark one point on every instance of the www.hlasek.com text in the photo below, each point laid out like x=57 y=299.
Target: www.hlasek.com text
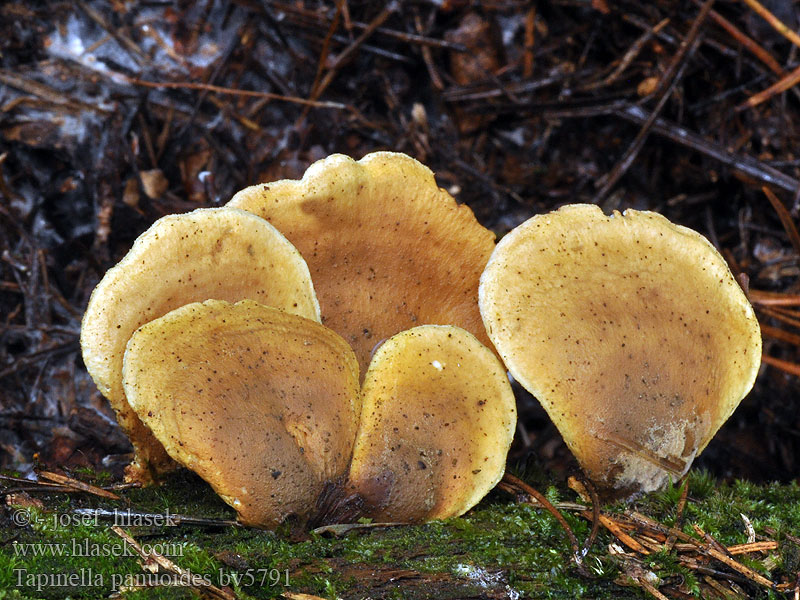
x=86 y=548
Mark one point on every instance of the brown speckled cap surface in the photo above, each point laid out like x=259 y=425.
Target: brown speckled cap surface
x=387 y=248
x=630 y=330
x=438 y=417
x=262 y=404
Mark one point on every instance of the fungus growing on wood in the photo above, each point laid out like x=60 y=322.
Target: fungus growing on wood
x=219 y=253
x=631 y=332
x=438 y=417
x=388 y=250
x=262 y=404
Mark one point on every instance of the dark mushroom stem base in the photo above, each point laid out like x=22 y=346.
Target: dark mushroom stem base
x=337 y=503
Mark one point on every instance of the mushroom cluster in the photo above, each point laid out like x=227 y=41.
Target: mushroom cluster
x=380 y=383
x=211 y=346
x=632 y=333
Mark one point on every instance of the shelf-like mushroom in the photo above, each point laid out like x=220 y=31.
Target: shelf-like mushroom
x=438 y=417
x=219 y=253
x=388 y=250
x=261 y=403
x=630 y=330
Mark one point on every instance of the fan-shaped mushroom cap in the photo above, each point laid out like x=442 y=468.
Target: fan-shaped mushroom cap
x=220 y=253
x=261 y=403
x=388 y=249
x=631 y=332
x=438 y=417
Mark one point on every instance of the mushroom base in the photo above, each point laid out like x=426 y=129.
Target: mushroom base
x=337 y=503
x=147 y=472
x=150 y=460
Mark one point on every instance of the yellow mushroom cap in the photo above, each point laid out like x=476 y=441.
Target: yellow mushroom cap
x=220 y=253
x=388 y=249
x=438 y=417
x=261 y=403
x=631 y=332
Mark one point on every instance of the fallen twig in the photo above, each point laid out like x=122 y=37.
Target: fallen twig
x=666 y=85
x=774 y=21
x=189 y=85
x=78 y=485
x=184 y=576
x=515 y=484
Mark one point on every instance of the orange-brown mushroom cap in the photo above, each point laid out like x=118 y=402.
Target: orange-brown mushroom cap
x=220 y=253
x=261 y=403
x=387 y=248
x=438 y=417
x=631 y=332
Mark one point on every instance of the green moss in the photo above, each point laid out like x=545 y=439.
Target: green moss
x=89 y=475
x=182 y=492
x=498 y=547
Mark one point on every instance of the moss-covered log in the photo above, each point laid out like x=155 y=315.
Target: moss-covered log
x=59 y=545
